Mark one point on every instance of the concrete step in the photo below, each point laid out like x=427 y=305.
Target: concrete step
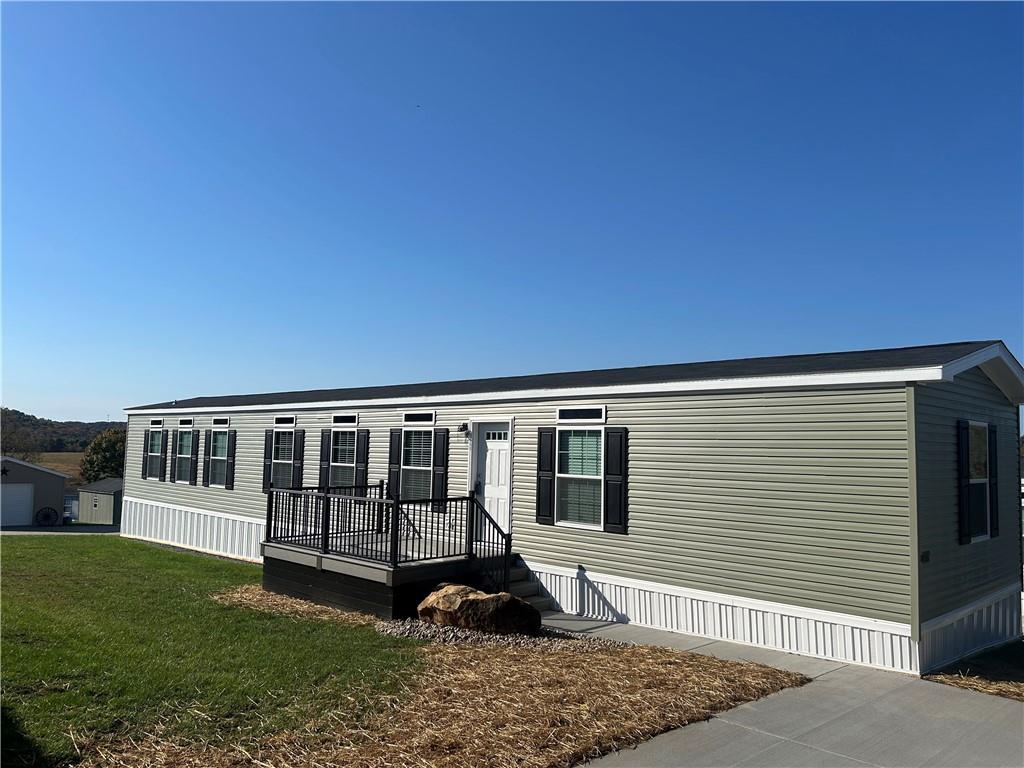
x=524 y=588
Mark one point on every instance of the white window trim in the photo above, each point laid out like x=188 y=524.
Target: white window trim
x=600 y=420
x=289 y=462
x=189 y=422
x=423 y=424
x=346 y=424
x=430 y=463
x=971 y=481
x=179 y=455
x=224 y=458
x=225 y=419
x=599 y=476
x=284 y=424
x=158 y=423
x=149 y=452
x=355 y=451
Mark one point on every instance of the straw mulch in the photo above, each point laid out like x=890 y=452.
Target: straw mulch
x=999 y=672
x=555 y=703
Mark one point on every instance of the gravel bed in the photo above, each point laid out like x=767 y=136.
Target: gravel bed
x=548 y=637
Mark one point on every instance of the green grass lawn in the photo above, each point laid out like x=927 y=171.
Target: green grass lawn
x=102 y=636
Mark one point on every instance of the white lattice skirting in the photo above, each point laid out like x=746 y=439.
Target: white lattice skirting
x=824 y=634
x=991 y=620
x=213 y=532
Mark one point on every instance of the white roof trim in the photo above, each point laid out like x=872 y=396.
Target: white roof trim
x=998 y=364
x=35 y=466
x=898 y=376
x=1006 y=372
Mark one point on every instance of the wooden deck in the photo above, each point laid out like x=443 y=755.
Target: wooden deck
x=367 y=552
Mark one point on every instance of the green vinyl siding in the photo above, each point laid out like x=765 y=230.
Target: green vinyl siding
x=955 y=573
x=797 y=496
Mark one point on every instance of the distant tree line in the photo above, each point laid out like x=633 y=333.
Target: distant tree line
x=25 y=436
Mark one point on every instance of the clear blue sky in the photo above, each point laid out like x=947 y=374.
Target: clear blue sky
x=203 y=199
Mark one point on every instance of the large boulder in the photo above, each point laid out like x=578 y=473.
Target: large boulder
x=455 y=605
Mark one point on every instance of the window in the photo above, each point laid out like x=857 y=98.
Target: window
x=284 y=421
x=154 y=460
x=218 y=457
x=221 y=421
x=95 y=501
x=578 y=478
x=156 y=422
x=345 y=418
x=500 y=434
x=978 y=481
x=281 y=471
x=417 y=455
x=185 y=422
x=343 y=457
x=183 y=459
x=423 y=417
x=590 y=415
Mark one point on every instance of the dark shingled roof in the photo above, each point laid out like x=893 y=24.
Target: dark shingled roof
x=106 y=485
x=786 y=365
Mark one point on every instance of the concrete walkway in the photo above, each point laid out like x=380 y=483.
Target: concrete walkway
x=848 y=716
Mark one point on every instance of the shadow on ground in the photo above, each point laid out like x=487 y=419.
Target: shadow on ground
x=16 y=747
x=1004 y=664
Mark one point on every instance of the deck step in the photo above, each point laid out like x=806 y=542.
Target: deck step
x=539 y=602
x=519 y=573
x=524 y=588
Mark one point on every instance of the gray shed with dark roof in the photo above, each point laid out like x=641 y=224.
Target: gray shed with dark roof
x=100 y=502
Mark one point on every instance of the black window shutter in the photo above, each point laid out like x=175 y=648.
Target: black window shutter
x=395 y=463
x=268 y=456
x=993 y=482
x=298 y=454
x=145 y=454
x=616 y=462
x=206 y=458
x=362 y=457
x=174 y=455
x=439 y=487
x=325 y=458
x=963 y=468
x=163 y=456
x=193 y=465
x=546 y=475
x=229 y=477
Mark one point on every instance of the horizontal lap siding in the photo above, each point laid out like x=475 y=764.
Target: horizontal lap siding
x=797 y=497
x=794 y=497
x=957 y=574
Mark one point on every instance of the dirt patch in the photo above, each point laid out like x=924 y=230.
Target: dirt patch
x=555 y=702
x=999 y=672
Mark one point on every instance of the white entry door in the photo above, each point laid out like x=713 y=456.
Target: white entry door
x=494 y=470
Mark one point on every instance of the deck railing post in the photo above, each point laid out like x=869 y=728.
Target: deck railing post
x=471 y=523
x=270 y=513
x=325 y=537
x=507 y=563
x=394 y=533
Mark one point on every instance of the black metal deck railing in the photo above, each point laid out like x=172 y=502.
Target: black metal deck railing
x=364 y=523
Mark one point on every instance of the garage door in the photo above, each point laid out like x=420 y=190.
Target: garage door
x=16 y=504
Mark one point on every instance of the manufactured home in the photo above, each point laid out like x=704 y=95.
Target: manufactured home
x=860 y=506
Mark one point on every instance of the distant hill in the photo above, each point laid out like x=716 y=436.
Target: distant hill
x=25 y=431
